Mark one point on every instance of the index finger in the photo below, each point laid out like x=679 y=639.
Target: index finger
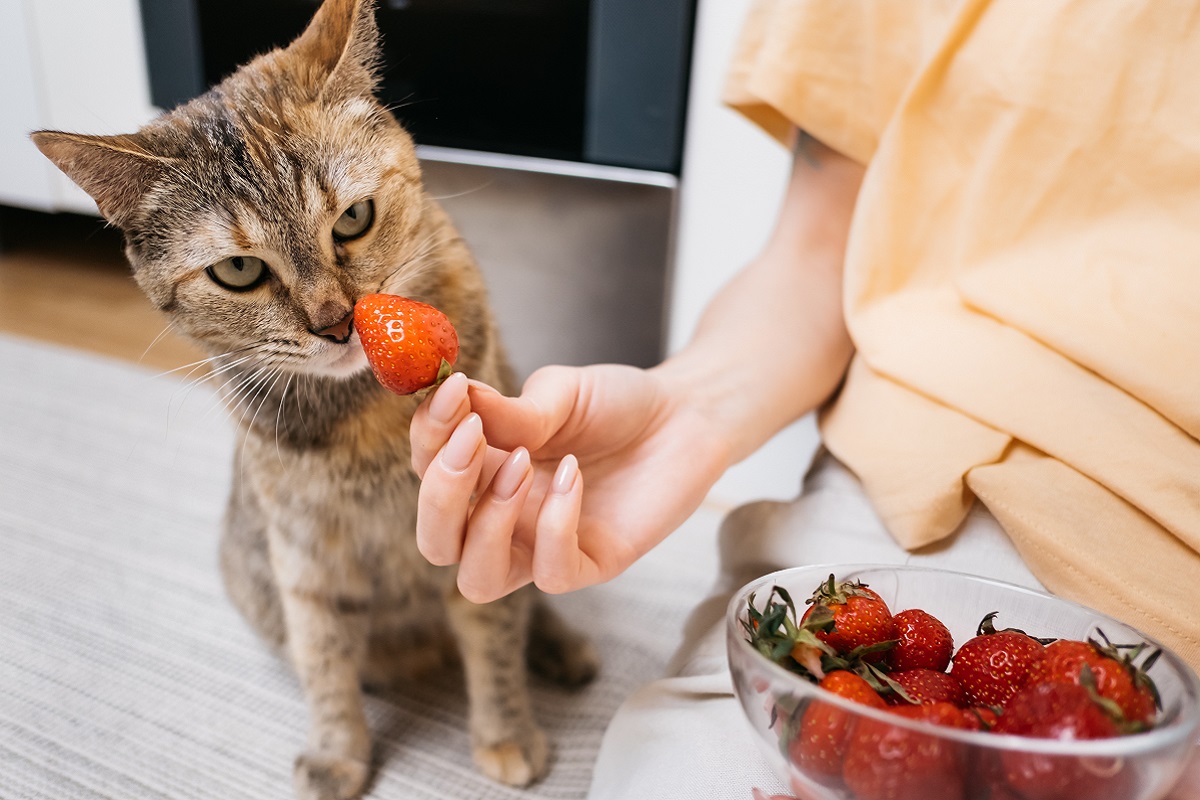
x=435 y=420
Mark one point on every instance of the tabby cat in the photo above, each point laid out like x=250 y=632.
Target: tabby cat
x=254 y=217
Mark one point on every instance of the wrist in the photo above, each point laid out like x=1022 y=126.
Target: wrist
x=711 y=388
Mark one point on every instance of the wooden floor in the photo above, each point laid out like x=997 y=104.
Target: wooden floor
x=64 y=279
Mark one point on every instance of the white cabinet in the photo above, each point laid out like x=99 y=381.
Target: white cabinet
x=74 y=65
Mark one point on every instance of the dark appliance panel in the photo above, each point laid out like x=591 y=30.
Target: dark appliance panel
x=594 y=81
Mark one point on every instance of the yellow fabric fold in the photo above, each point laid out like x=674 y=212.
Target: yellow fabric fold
x=1078 y=543
x=922 y=495
x=1022 y=276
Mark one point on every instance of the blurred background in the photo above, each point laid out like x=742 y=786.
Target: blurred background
x=580 y=146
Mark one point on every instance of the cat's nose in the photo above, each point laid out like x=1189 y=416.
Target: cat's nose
x=339 y=331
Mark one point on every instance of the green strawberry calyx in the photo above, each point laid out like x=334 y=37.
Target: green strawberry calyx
x=987 y=628
x=832 y=593
x=444 y=371
x=775 y=633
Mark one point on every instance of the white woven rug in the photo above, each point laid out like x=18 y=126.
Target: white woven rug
x=124 y=671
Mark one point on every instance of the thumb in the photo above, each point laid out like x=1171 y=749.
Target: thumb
x=532 y=418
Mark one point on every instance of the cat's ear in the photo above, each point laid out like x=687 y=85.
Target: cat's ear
x=340 y=48
x=115 y=170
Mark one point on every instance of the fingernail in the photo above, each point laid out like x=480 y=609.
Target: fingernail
x=463 y=444
x=447 y=398
x=564 y=476
x=480 y=386
x=477 y=390
x=511 y=475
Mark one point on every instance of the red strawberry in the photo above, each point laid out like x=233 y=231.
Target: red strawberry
x=890 y=762
x=820 y=743
x=995 y=665
x=937 y=713
x=927 y=686
x=860 y=618
x=1061 y=711
x=979 y=718
x=1111 y=673
x=1056 y=711
x=410 y=345
x=925 y=643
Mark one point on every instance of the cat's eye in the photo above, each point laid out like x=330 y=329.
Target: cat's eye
x=239 y=273
x=354 y=221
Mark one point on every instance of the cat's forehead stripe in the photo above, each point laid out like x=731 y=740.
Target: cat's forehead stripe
x=269 y=164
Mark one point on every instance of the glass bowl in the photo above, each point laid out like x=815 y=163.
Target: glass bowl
x=927 y=762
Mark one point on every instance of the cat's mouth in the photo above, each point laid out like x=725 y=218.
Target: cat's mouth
x=340 y=360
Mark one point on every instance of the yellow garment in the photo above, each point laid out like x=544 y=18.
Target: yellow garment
x=1023 y=274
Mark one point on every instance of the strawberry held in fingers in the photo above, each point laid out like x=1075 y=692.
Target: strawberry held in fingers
x=410 y=345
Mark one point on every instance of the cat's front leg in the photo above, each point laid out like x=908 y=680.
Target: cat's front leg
x=508 y=746
x=326 y=604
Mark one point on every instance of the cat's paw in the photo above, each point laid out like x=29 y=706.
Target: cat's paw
x=328 y=776
x=513 y=763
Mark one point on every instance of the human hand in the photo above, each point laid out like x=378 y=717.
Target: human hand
x=564 y=486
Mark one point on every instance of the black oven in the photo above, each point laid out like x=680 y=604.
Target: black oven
x=590 y=81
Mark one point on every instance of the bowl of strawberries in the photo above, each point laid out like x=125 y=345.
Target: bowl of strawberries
x=871 y=682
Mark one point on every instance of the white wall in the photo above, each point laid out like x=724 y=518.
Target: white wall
x=733 y=179
x=74 y=65
x=24 y=180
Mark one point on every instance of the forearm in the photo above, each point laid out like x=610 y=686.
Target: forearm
x=773 y=345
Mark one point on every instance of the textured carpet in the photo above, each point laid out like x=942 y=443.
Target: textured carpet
x=124 y=671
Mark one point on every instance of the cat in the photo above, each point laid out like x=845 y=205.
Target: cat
x=254 y=216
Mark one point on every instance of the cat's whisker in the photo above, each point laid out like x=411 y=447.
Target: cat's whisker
x=229 y=397
x=223 y=369
x=195 y=365
x=410 y=99
x=259 y=400
x=278 y=419
x=255 y=385
x=463 y=193
x=423 y=248
x=306 y=381
x=410 y=271
x=265 y=392
x=245 y=386
x=190 y=384
x=228 y=368
x=169 y=327
x=245 y=394
x=418 y=267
